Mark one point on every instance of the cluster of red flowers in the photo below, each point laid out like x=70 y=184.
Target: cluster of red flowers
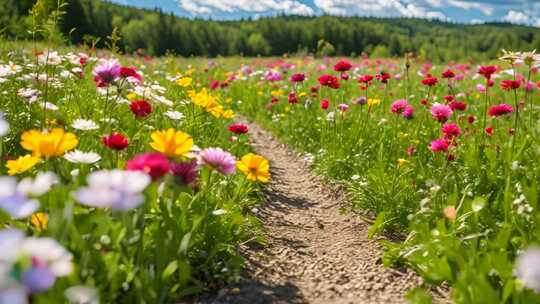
x=329 y=81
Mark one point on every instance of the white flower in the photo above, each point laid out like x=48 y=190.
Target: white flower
x=174 y=115
x=16 y=204
x=82 y=295
x=50 y=106
x=50 y=58
x=79 y=157
x=117 y=189
x=39 y=185
x=528 y=268
x=84 y=124
x=4 y=126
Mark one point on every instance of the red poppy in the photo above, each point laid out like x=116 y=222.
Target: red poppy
x=324 y=104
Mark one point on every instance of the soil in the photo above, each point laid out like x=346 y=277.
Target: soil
x=316 y=253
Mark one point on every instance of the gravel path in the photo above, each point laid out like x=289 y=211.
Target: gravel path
x=315 y=252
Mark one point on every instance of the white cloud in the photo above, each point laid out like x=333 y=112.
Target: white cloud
x=261 y=6
x=381 y=8
x=486 y=9
x=516 y=17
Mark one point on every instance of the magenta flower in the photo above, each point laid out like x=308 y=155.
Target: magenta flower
x=107 y=72
x=298 y=77
x=399 y=106
x=154 y=164
x=222 y=161
x=362 y=100
x=451 y=130
x=408 y=113
x=273 y=76
x=185 y=172
x=441 y=112
x=500 y=109
x=439 y=145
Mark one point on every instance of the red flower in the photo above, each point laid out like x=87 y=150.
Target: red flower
x=487 y=71
x=238 y=128
x=141 y=108
x=342 y=66
x=154 y=164
x=429 y=80
x=510 y=84
x=500 y=109
x=383 y=77
x=489 y=131
x=448 y=74
x=314 y=89
x=214 y=84
x=324 y=104
x=449 y=98
x=329 y=81
x=293 y=98
x=365 y=79
x=115 y=141
x=471 y=119
x=451 y=130
x=458 y=105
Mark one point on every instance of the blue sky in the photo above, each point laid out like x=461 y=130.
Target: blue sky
x=463 y=11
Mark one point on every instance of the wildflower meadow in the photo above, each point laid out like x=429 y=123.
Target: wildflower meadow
x=127 y=178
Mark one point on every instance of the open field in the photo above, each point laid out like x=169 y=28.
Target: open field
x=135 y=176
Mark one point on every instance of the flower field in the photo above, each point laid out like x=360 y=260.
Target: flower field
x=130 y=179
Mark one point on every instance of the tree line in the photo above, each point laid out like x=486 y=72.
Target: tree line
x=158 y=33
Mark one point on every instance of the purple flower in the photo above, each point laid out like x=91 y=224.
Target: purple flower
x=362 y=100
x=185 y=172
x=441 y=112
x=107 y=72
x=273 y=76
x=343 y=107
x=219 y=160
x=37 y=279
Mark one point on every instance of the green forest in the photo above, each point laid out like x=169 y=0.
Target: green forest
x=157 y=33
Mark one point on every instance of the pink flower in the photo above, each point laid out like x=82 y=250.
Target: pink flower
x=343 y=107
x=398 y=106
x=439 y=145
x=441 y=112
x=154 y=164
x=500 y=109
x=185 y=172
x=408 y=112
x=480 y=88
x=451 y=130
x=219 y=160
x=107 y=72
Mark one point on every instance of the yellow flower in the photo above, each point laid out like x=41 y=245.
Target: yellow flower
x=260 y=93
x=21 y=164
x=255 y=167
x=185 y=81
x=40 y=221
x=53 y=143
x=402 y=162
x=277 y=93
x=229 y=114
x=302 y=94
x=131 y=96
x=373 y=102
x=171 y=142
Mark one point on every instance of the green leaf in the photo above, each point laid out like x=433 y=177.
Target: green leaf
x=377 y=226
x=419 y=296
x=184 y=244
x=169 y=270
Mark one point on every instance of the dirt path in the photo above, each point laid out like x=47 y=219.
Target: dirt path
x=316 y=254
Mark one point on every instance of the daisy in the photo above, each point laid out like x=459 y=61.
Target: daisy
x=4 y=125
x=84 y=124
x=174 y=115
x=79 y=157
